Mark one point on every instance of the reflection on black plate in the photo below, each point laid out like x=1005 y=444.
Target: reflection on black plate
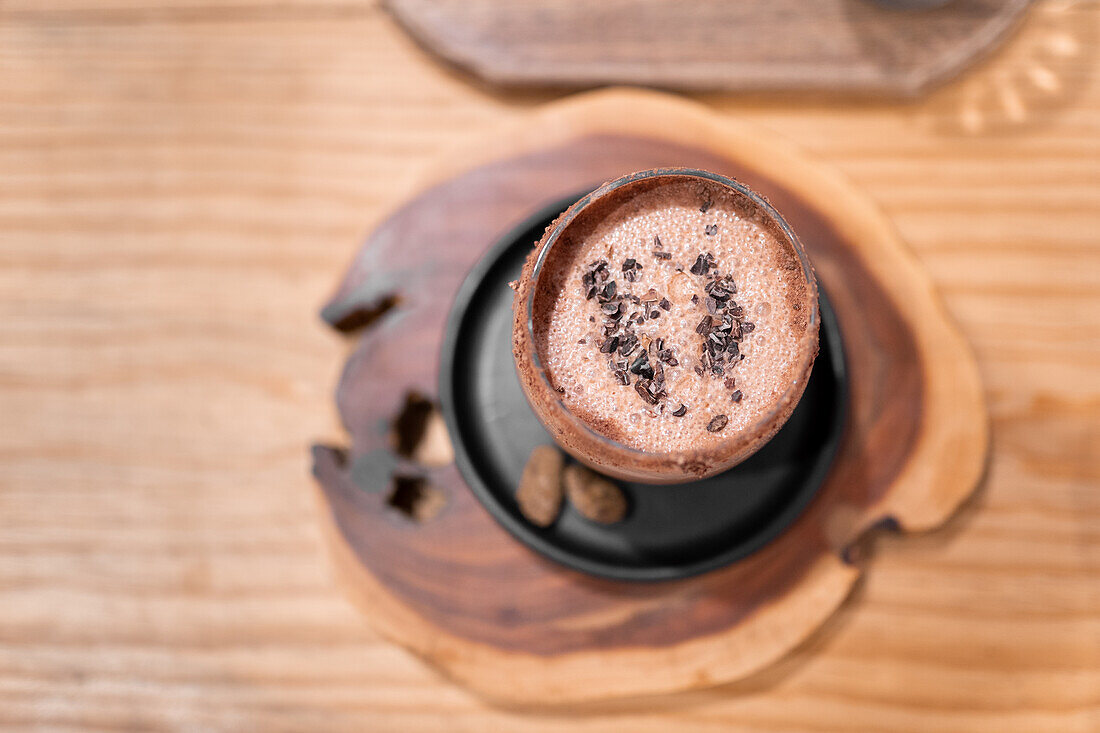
x=670 y=531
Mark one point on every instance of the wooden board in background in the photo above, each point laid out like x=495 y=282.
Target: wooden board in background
x=858 y=46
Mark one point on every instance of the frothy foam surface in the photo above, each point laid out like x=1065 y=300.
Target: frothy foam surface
x=771 y=291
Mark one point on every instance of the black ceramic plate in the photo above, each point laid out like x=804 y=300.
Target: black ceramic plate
x=670 y=531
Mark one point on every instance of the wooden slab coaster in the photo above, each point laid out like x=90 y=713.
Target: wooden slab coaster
x=435 y=573
x=894 y=47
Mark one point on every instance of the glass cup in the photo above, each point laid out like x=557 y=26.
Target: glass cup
x=574 y=434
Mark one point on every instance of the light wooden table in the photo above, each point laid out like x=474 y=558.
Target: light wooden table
x=180 y=186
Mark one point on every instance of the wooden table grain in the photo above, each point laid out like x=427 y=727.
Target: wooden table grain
x=180 y=185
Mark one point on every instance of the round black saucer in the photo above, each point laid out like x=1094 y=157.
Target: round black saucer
x=670 y=531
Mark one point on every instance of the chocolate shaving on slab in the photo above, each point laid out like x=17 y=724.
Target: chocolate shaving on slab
x=717 y=423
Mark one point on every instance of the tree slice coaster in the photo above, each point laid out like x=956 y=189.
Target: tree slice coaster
x=895 y=47
x=432 y=569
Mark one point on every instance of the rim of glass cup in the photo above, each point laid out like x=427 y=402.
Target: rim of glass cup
x=738 y=442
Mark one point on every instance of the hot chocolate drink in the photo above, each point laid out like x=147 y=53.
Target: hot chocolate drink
x=673 y=315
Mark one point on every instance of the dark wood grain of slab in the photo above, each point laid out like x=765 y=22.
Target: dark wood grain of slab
x=460 y=591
